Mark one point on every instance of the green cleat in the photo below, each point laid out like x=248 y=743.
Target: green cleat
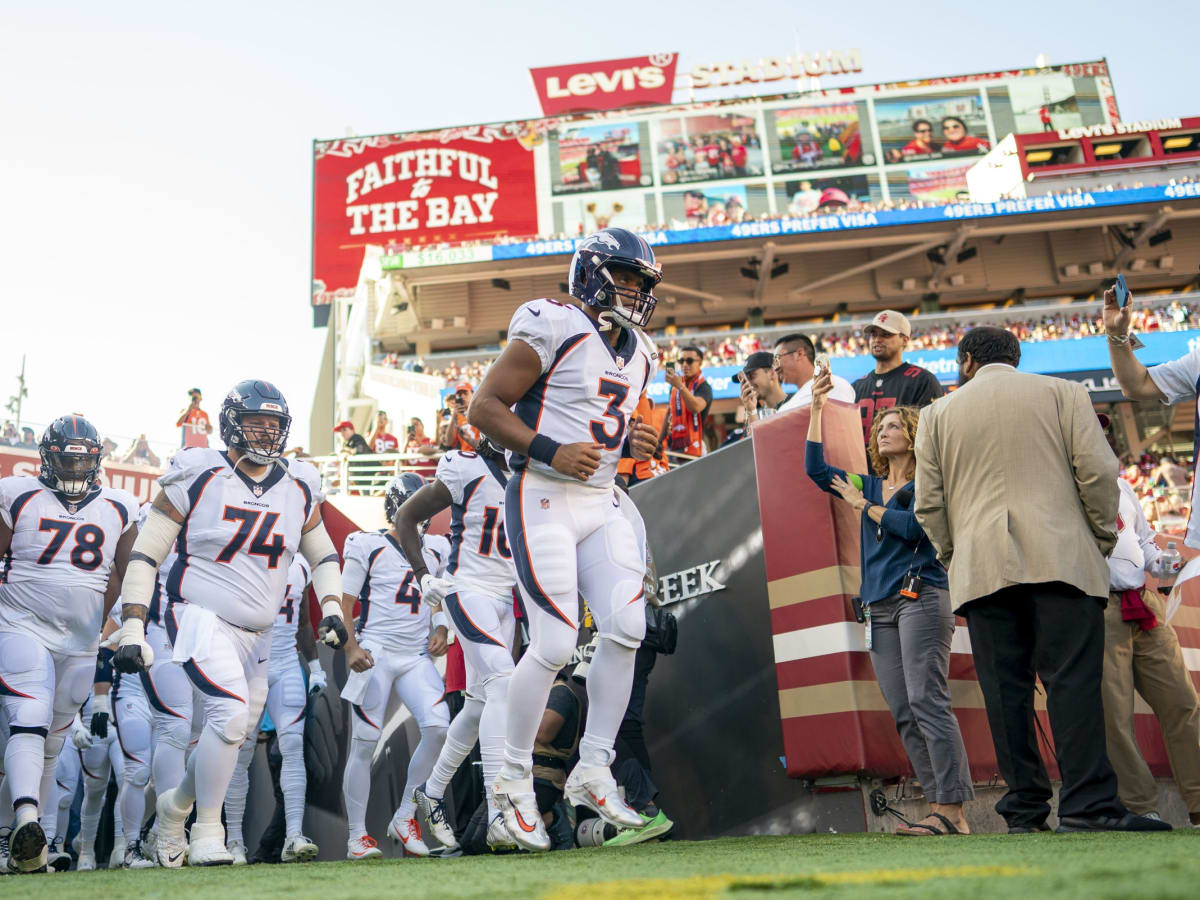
x=653 y=827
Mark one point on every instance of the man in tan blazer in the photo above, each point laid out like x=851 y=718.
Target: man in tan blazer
x=1016 y=489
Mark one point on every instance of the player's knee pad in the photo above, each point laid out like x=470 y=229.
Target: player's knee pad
x=495 y=687
x=54 y=744
x=363 y=729
x=229 y=721
x=624 y=622
x=137 y=774
x=552 y=647
x=291 y=745
x=552 y=559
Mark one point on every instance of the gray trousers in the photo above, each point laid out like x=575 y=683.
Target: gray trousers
x=910 y=650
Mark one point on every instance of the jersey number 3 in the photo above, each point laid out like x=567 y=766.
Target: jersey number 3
x=616 y=394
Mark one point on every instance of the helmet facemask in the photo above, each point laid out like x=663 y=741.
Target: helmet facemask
x=73 y=470
x=261 y=436
x=629 y=306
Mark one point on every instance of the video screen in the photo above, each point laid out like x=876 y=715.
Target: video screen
x=818 y=136
x=714 y=205
x=707 y=147
x=583 y=214
x=805 y=196
x=931 y=127
x=603 y=157
x=1050 y=102
x=944 y=182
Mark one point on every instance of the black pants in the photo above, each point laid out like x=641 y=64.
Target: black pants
x=1056 y=632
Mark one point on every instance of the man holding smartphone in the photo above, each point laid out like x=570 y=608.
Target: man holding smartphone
x=456 y=432
x=687 y=410
x=194 y=422
x=1169 y=383
x=796 y=359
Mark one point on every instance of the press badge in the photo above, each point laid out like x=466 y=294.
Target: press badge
x=867 y=620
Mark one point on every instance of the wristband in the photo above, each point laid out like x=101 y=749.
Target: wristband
x=543 y=448
x=1118 y=338
x=314 y=666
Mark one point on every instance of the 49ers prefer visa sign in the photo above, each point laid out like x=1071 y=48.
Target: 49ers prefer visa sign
x=612 y=84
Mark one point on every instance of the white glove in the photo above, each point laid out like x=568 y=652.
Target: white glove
x=316 y=677
x=434 y=590
x=81 y=735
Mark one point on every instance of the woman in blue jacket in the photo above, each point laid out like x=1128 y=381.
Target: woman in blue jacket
x=907 y=603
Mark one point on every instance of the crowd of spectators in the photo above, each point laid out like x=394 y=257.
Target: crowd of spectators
x=1162 y=483
x=733 y=349
x=830 y=201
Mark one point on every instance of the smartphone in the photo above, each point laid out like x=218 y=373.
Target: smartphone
x=820 y=364
x=1122 y=291
x=671 y=367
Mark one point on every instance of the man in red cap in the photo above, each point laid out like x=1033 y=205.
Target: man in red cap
x=352 y=441
x=456 y=433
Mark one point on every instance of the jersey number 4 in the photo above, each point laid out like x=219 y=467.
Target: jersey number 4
x=264 y=544
x=89 y=539
x=409 y=593
x=616 y=394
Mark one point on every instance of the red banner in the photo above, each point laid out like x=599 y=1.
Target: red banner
x=611 y=84
x=412 y=190
x=138 y=480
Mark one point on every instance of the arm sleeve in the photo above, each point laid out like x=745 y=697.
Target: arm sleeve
x=821 y=473
x=354 y=569
x=538 y=323
x=449 y=474
x=1177 y=378
x=903 y=524
x=1095 y=467
x=929 y=502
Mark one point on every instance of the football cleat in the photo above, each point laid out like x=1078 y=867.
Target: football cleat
x=433 y=810
x=408 y=833
x=27 y=848
x=364 y=847
x=136 y=858
x=207 y=846
x=238 y=851
x=518 y=805
x=57 y=859
x=653 y=827
x=86 y=862
x=298 y=848
x=116 y=859
x=4 y=833
x=595 y=788
x=498 y=837
x=171 y=844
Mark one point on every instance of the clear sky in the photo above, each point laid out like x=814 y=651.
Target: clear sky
x=155 y=162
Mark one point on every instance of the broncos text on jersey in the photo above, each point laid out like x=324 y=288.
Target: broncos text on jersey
x=239 y=535
x=479 y=553
x=379 y=574
x=588 y=390
x=53 y=577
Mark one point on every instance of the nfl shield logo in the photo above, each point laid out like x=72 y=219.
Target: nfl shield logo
x=545 y=503
x=72 y=508
x=878 y=382
x=257 y=490
x=620 y=362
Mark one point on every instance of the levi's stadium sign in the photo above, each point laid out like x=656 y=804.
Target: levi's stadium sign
x=612 y=84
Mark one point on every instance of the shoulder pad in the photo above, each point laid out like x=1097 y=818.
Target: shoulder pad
x=302 y=470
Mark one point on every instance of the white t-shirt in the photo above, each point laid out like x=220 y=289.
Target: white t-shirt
x=842 y=390
x=1135 y=550
x=1178 y=380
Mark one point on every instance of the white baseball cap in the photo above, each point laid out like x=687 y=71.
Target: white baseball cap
x=892 y=322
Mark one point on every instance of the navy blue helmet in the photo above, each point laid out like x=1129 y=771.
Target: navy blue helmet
x=596 y=259
x=70 y=449
x=398 y=490
x=261 y=443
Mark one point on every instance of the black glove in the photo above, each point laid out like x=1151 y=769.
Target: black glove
x=100 y=724
x=337 y=627
x=128 y=659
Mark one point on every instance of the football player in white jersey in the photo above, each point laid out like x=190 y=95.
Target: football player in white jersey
x=236 y=518
x=65 y=541
x=287 y=703
x=563 y=397
x=100 y=758
x=476 y=590
x=393 y=651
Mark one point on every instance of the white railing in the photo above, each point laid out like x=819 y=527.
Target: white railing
x=367 y=475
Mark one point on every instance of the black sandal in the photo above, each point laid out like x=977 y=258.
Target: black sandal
x=934 y=832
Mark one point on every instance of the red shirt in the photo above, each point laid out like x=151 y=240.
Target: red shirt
x=385 y=443
x=195 y=428
x=739 y=156
x=967 y=143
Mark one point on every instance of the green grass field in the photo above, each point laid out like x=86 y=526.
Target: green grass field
x=1029 y=867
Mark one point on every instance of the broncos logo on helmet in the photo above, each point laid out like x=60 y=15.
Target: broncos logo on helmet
x=601 y=254
x=70 y=450
x=242 y=421
x=398 y=490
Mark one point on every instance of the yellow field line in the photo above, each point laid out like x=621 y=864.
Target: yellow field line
x=713 y=885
